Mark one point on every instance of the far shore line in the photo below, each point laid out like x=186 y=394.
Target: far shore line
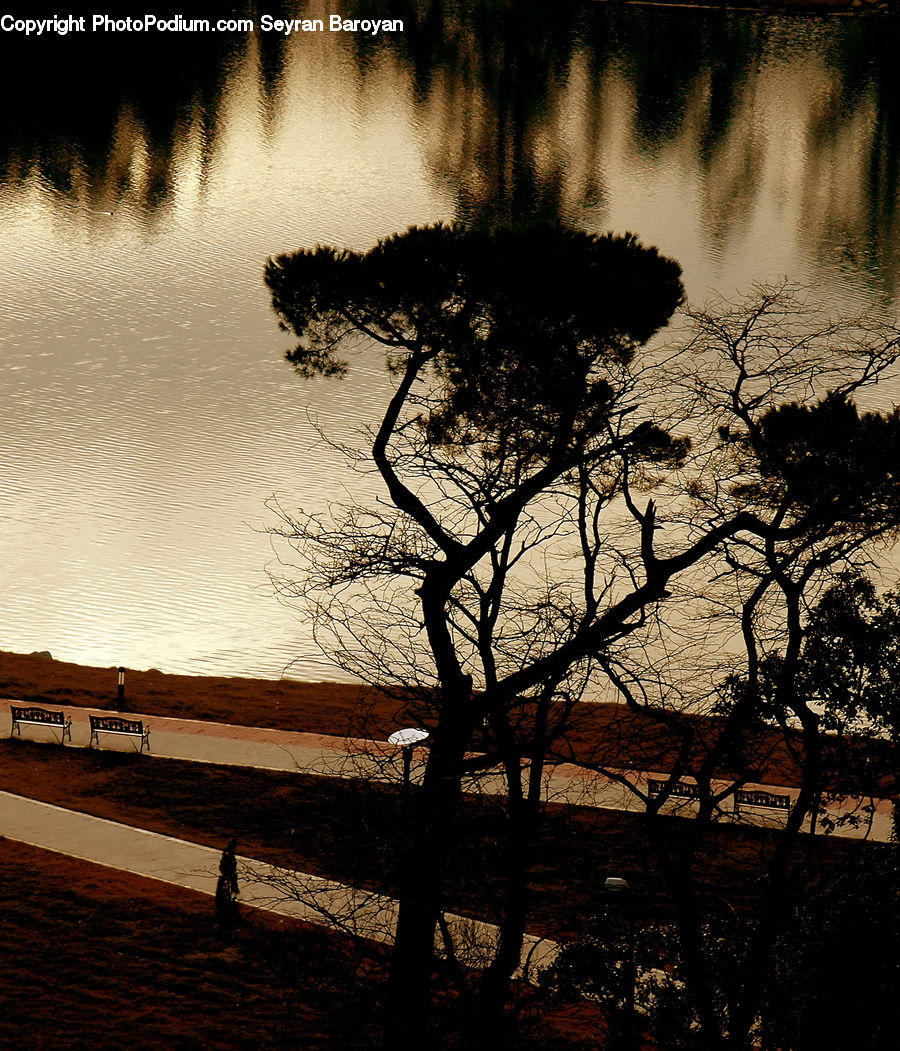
x=798 y=7
x=599 y=731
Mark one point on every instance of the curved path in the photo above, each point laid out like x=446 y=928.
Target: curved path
x=151 y=854
x=298 y=895
x=295 y=894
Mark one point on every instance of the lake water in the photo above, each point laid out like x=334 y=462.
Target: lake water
x=147 y=412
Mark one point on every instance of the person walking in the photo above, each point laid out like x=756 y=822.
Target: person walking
x=227 y=888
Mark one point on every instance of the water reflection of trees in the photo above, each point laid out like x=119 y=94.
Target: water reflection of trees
x=857 y=224
x=496 y=86
x=488 y=79
x=517 y=104
x=491 y=79
x=671 y=58
x=720 y=84
x=101 y=120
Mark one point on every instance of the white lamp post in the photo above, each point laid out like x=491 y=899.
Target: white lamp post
x=406 y=740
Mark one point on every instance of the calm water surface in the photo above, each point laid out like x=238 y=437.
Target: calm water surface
x=147 y=412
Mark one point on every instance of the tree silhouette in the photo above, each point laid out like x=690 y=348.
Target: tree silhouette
x=774 y=386
x=517 y=557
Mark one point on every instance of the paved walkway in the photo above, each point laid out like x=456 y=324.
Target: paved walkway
x=295 y=894
x=201 y=741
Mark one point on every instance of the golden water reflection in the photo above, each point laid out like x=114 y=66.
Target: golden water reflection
x=147 y=413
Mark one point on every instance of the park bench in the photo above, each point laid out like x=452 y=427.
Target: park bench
x=40 y=717
x=115 y=724
x=743 y=797
x=681 y=789
x=757 y=798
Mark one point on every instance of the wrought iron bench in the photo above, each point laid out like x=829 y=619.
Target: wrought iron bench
x=743 y=797
x=680 y=789
x=40 y=717
x=115 y=724
x=760 y=798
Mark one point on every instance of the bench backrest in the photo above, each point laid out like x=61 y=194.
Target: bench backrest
x=773 y=800
x=38 y=715
x=682 y=789
x=744 y=796
x=116 y=724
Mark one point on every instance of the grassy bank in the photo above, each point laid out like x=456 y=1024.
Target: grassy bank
x=605 y=731
x=99 y=959
x=350 y=830
x=95 y=958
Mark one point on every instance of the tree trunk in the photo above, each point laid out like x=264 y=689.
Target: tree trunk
x=423 y=869
x=493 y=995
x=677 y=866
x=524 y=812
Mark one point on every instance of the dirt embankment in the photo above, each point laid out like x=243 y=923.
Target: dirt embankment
x=603 y=733
x=280 y=704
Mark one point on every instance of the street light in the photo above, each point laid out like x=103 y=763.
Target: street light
x=406 y=740
x=120 y=695
x=618 y=888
